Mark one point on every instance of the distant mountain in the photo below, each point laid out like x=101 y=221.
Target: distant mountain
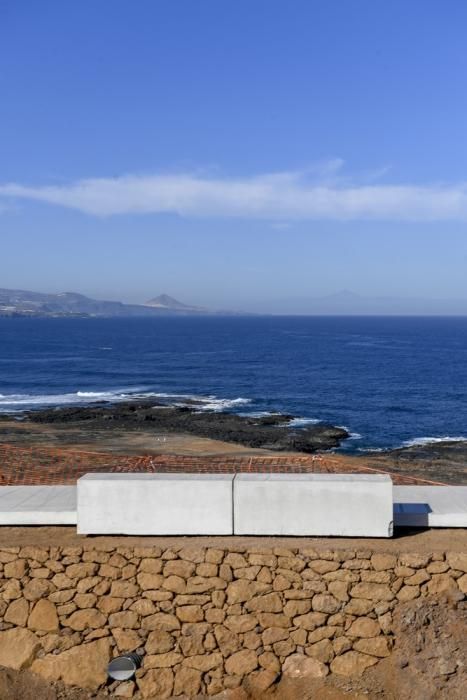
x=163 y=301
x=17 y=302
x=346 y=303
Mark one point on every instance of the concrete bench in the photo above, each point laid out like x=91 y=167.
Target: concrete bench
x=321 y=505
x=155 y=504
x=37 y=505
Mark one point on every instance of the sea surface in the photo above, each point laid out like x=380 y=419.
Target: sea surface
x=390 y=381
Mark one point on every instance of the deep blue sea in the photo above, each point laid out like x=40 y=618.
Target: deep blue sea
x=388 y=380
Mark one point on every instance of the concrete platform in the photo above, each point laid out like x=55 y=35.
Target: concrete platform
x=313 y=505
x=38 y=505
x=430 y=506
x=155 y=504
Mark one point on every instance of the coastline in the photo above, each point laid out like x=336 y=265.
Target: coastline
x=144 y=428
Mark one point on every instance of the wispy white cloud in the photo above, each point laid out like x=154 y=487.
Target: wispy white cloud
x=317 y=193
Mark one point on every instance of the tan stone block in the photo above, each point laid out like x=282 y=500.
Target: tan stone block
x=321 y=633
x=241 y=662
x=322 y=566
x=177 y=567
x=323 y=651
x=84 y=666
x=296 y=564
x=204 y=662
x=190 y=613
x=270 y=602
x=325 y=603
x=241 y=590
x=420 y=576
x=214 y=556
x=43 y=617
x=193 y=554
x=12 y=590
x=128 y=571
x=299 y=637
x=341 y=645
x=383 y=562
x=15 y=569
x=377 y=646
x=214 y=615
x=150 y=566
x=310 y=621
x=339 y=589
x=85 y=600
x=441 y=583
x=342 y=575
x=17 y=612
x=83 y=619
x=127 y=619
x=200 y=584
x=352 y=663
x=376 y=576
x=158 y=596
x=364 y=627
x=167 y=660
x=269 y=560
x=107 y=604
x=462 y=583
x=372 y=591
x=260 y=681
x=124 y=589
x=176 y=584
x=206 y=569
x=79 y=571
x=163 y=621
x=281 y=583
x=156 y=683
x=241 y=623
x=437 y=567
x=408 y=593
x=159 y=642
x=285 y=648
x=276 y=619
x=148 y=582
x=293 y=577
x=297 y=594
x=62 y=596
x=96 y=583
x=264 y=575
x=125 y=690
x=18 y=648
x=37 y=588
x=192 y=644
x=297 y=607
x=457 y=561
x=36 y=553
x=300 y=666
x=187 y=682
x=108 y=571
x=127 y=640
x=415 y=560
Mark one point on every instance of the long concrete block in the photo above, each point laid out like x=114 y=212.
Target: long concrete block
x=341 y=505
x=37 y=505
x=430 y=506
x=155 y=504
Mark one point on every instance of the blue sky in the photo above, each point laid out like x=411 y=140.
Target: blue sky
x=229 y=152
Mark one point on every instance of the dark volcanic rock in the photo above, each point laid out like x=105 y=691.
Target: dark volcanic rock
x=267 y=432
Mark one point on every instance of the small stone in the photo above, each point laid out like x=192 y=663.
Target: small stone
x=17 y=612
x=457 y=561
x=125 y=690
x=156 y=683
x=323 y=651
x=127 y=640
x=163 y=621
x=408 y=593
x=84 y=665
x=372 y=591
x=242 y=662
x=383 y=562
x=43 y=617
x=325 y=603
x=18 y=648
x=187 y=682
x=204 y=662
x=352 y=663
x=159 y=642
x=364 y=627
x=300 y=666
x=377 y=646
x=310 y=621
x=82 y=619
x=171 y=658
x=15 y=569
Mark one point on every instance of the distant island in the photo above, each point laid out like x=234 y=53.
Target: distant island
x=21 y=303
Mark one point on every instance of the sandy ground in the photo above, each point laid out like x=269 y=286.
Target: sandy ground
x=404 y=540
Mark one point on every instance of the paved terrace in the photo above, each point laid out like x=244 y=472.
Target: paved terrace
x=41 y=466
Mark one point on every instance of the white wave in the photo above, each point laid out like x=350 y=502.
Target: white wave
x=414 y=442
x=371 y=449
x=11 y=402
x=300 y=422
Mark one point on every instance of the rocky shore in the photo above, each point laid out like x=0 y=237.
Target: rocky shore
x=272 y=432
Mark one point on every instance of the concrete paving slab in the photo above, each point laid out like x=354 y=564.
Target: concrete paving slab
x=155 y=504
x=430 y=506
x=38 y=505
x=323 y=505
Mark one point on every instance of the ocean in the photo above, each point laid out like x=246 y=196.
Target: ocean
x=390 y=381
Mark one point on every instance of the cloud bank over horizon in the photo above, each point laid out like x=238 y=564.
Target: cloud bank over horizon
x=281 y=196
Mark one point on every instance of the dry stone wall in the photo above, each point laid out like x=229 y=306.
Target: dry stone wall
x=206 y=619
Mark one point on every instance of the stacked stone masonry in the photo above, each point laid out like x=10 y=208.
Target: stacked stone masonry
x=207 y=619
